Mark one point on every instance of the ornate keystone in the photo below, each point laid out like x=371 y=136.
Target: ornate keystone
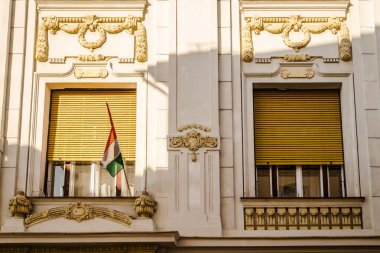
x=193 y=140
x=145 y=206
x=19 y=205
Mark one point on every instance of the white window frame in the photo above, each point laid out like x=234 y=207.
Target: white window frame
x=38 y=114
x=341 y=81
x=299 y=181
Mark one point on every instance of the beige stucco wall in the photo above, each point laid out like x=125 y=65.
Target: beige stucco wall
x=193 y=74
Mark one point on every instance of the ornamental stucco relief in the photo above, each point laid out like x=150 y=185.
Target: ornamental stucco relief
x=101 y=25
x=295 y=23
x=79 y=212
x=193 y=140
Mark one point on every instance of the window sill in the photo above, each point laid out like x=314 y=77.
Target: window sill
x=303 y=202
x=122 y=204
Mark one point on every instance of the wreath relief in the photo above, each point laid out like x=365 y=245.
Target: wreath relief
x=92 y=23
x=298 y=24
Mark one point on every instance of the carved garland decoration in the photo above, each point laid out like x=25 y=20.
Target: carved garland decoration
x=295 y=23
x=80 y=26
x=193 y=140
x=79 y=212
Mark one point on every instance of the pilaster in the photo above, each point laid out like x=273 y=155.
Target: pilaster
x=194 y=119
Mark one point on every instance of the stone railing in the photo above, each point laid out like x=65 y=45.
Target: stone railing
x=302 y=214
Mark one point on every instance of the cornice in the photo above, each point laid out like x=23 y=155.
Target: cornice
x=248 y=5
x=125 y=5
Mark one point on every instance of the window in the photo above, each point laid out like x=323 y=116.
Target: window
x=298 y=143
x=299 y=181
x=78 y=131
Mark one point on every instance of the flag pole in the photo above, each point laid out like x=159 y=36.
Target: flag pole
x=125 y=174
x=126 y=180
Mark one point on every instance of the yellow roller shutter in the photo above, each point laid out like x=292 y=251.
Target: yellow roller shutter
x=300 y=127
x=79 y=124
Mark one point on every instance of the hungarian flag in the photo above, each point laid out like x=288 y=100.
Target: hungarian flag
x=112 y=159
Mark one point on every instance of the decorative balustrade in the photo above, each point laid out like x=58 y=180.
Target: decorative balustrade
x=299 y=215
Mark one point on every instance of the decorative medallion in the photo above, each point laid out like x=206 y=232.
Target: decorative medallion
x=79 y=212
x=295 y=23
x=193 y=140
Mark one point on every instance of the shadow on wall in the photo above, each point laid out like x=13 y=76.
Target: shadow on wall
x=193 y=74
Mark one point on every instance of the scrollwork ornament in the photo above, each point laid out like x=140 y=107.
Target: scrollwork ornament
x=79 y=211
x=193 y=141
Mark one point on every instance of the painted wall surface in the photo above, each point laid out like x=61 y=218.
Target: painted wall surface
x=191 y=80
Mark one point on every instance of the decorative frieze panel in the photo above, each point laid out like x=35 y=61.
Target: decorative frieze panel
x=298 y=24
x=302 y=218
x=90 y=73
x=82 y=25
x=297 y=73
x=79 y=212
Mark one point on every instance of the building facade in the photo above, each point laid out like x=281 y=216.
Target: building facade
x=243 y=126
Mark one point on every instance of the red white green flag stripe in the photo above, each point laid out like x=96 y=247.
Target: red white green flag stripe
x=112 y=159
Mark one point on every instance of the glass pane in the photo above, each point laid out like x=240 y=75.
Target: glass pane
x=59 y=179
x=82 y=182
x=263 y=182
x=311 y=179
x=287 y=181
x=105 y=183
x=335 y=179
x=87 y=179
x=130 y=169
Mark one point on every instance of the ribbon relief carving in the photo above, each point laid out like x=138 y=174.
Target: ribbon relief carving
x=101 y=25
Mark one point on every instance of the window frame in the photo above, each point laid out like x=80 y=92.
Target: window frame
x=49 y=183
x=341 y=81
x=299 y=182
x=39 y=121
